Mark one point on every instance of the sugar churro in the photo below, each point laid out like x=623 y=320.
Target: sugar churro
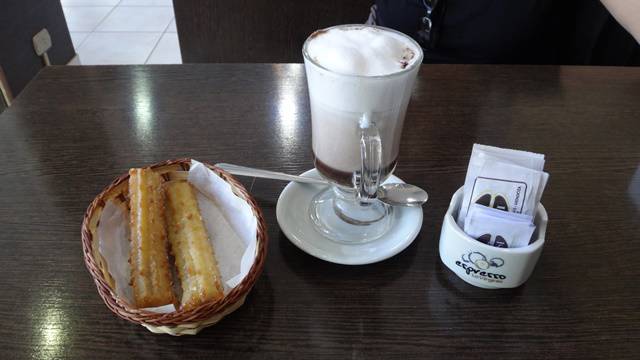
x=150 y=273
x=194 y=256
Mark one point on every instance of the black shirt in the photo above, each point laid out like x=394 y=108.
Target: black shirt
x=514 y=31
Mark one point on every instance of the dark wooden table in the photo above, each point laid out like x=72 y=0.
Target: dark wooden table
x=74 y=129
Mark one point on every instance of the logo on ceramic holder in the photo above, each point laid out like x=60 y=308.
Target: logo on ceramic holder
x=478 y=264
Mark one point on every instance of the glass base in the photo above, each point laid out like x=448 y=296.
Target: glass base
x=340 y=217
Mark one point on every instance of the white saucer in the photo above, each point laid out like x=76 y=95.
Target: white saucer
x=292 y=212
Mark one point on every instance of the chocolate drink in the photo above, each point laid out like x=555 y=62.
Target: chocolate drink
x=358 y=74
x=346 y=178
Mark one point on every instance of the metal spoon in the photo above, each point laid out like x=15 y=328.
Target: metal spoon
x=393 y=194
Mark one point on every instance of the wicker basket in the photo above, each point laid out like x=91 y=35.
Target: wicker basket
x=179 y=322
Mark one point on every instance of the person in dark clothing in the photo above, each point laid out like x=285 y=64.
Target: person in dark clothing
x=523 y=31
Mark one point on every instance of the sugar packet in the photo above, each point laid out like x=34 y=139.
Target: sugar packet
x=499 y=228
x=527 y=159
x=504 y=179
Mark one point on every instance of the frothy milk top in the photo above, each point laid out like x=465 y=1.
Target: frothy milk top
x=365 y=51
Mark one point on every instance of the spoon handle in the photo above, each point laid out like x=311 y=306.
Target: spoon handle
x=266 y=174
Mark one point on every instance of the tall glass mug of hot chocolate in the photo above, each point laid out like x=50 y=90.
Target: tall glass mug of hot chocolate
x=360 y=80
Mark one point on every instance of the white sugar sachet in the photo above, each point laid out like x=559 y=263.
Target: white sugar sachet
x=504 y=179
x=499 y=228
x=527 y=159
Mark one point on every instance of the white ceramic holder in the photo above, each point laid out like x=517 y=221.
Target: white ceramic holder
x=483 y=265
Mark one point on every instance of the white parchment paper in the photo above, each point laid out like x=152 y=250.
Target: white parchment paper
x=229 y=221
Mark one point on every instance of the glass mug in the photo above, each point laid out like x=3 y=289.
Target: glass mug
x=357 y=124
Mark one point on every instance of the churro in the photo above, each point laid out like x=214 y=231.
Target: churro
x=150 y=273
x=194 y=256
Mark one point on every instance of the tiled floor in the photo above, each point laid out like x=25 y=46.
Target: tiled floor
x=122 y=31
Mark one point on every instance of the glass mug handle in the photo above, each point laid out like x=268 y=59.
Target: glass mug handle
x=368 y=180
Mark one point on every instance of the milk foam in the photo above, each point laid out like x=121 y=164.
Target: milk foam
x=365 y=51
